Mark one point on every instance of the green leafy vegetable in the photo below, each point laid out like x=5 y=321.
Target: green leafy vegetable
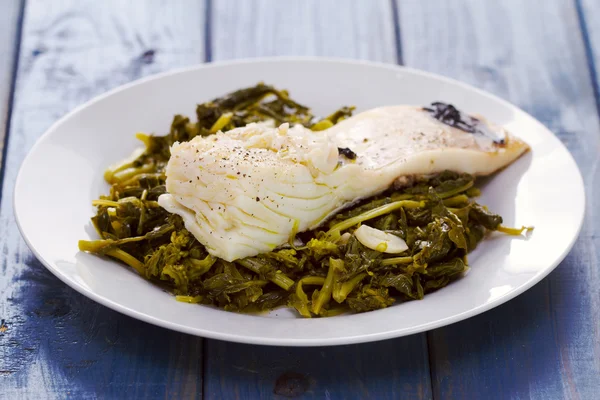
x=330 y=272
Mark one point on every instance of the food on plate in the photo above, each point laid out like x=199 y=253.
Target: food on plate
x=260 y=204
x=247 y=191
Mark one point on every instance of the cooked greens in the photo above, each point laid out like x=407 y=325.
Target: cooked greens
x=320 y=273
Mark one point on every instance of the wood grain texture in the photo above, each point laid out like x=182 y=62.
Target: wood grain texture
x=589 y=15
x=9 y=44
x=54 y=342
x=387 y=370
x=335 y=28
x=545 y=344
x=392 y=369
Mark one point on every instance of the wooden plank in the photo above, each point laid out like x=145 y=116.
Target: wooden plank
x=386 y=370
x=334 y=28
x=55 y=343
x=9 y=33
x=589 y=13
x=545 y=344
x=391 y=369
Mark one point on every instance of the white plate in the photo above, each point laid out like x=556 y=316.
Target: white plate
x=78 y=148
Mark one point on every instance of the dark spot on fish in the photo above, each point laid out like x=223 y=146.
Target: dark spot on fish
x=346 y=152
x=451 y=116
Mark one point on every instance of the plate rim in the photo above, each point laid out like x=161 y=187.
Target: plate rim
x=312 y=342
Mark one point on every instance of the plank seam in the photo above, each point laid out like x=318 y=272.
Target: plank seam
x=11 y=97
x=208 y=31
x=431 y=363
x=589 y=53
x=203 y=394
x=397 y=32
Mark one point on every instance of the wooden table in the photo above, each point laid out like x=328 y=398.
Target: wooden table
x=539 y=54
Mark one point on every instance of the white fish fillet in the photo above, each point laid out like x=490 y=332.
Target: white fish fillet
x=244 y=192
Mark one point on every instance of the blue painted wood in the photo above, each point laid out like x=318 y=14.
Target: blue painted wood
x=589 y=15
x=336 y=28
x=54 y=343
x=392 y=369
x=10 y=28
x=545 y=344
x=387 y=370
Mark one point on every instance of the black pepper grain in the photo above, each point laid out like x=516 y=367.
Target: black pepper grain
x=346 y=152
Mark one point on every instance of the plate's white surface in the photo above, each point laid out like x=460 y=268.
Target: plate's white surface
x=78 y=148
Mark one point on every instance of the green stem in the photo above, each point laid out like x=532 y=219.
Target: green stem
x=342 y=291
x=128 y=173
x=106 y=203
x=278 y=278
x=99 y=246
x=473 y=192
x=127 y=259
x=374 y=213
x=322 y=125
x=327 y=288
x=403 y=196
x=514 y=231
x=221 y=122
x=125 y=164
x=189 y=299
x=396 y=260
x=333 y=311
x=134 y=180
x=282 y=280
x=309 y=280
x=456 y=200
x=458 y=190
